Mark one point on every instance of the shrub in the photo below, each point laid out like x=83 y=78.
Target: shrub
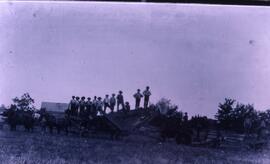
x=231 y=115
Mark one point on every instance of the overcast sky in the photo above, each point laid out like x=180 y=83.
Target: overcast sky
x=195 y=55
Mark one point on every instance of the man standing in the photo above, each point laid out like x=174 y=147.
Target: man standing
x=94 y=107
x=77 y=105
x=88 y=106
x=147 y=95
x=106 y=103
x=112 y=102
x=120 y=100
x=185 y=118
x=82 y=106
x=94 y=102
x=72 y=105
x=99 y=105
x=137 y=97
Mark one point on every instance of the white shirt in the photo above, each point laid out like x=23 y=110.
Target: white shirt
x=106 y=100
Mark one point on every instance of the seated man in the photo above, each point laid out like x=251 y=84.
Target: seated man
x=126 y=109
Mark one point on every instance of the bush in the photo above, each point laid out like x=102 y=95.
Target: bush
x=165 y=107
x=231 y=115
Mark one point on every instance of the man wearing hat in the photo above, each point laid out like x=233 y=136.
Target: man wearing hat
x=82 y=107
x=185 y=118
x=77 y=105
x=147 y=95
x=106 y=103
x=99 y=105
x=94 y=102
x=88 y=105
x=120 y=100
x=137 y=97
x=112 y=102
x=94 y=107
x=72 y=105
x=127 y=108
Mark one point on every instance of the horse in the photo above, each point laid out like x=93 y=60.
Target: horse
x=49 y=121
x=16 y=117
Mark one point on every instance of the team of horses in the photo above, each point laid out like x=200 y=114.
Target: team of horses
x=66 y=123
x=29 y=119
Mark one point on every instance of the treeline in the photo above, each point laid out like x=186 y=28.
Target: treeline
x=232 y=115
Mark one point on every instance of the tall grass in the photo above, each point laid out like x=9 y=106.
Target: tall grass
x=32 y=148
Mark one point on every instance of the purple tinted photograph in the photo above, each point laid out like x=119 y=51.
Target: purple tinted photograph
x=134 y=83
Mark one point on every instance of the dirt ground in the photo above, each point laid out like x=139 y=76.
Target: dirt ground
x=29 y=148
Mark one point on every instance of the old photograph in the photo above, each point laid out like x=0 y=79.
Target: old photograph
x=134 y=82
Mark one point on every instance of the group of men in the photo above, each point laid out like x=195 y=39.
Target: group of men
x=81 y=106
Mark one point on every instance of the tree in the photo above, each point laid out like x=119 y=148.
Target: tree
x=25 y=102
x=264 y=115
x=232 y=117
x=224 y=113
x=240 y=113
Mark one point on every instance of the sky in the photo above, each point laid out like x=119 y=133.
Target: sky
x=195 y=55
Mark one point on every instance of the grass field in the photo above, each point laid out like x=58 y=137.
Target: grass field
x=29 y=148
